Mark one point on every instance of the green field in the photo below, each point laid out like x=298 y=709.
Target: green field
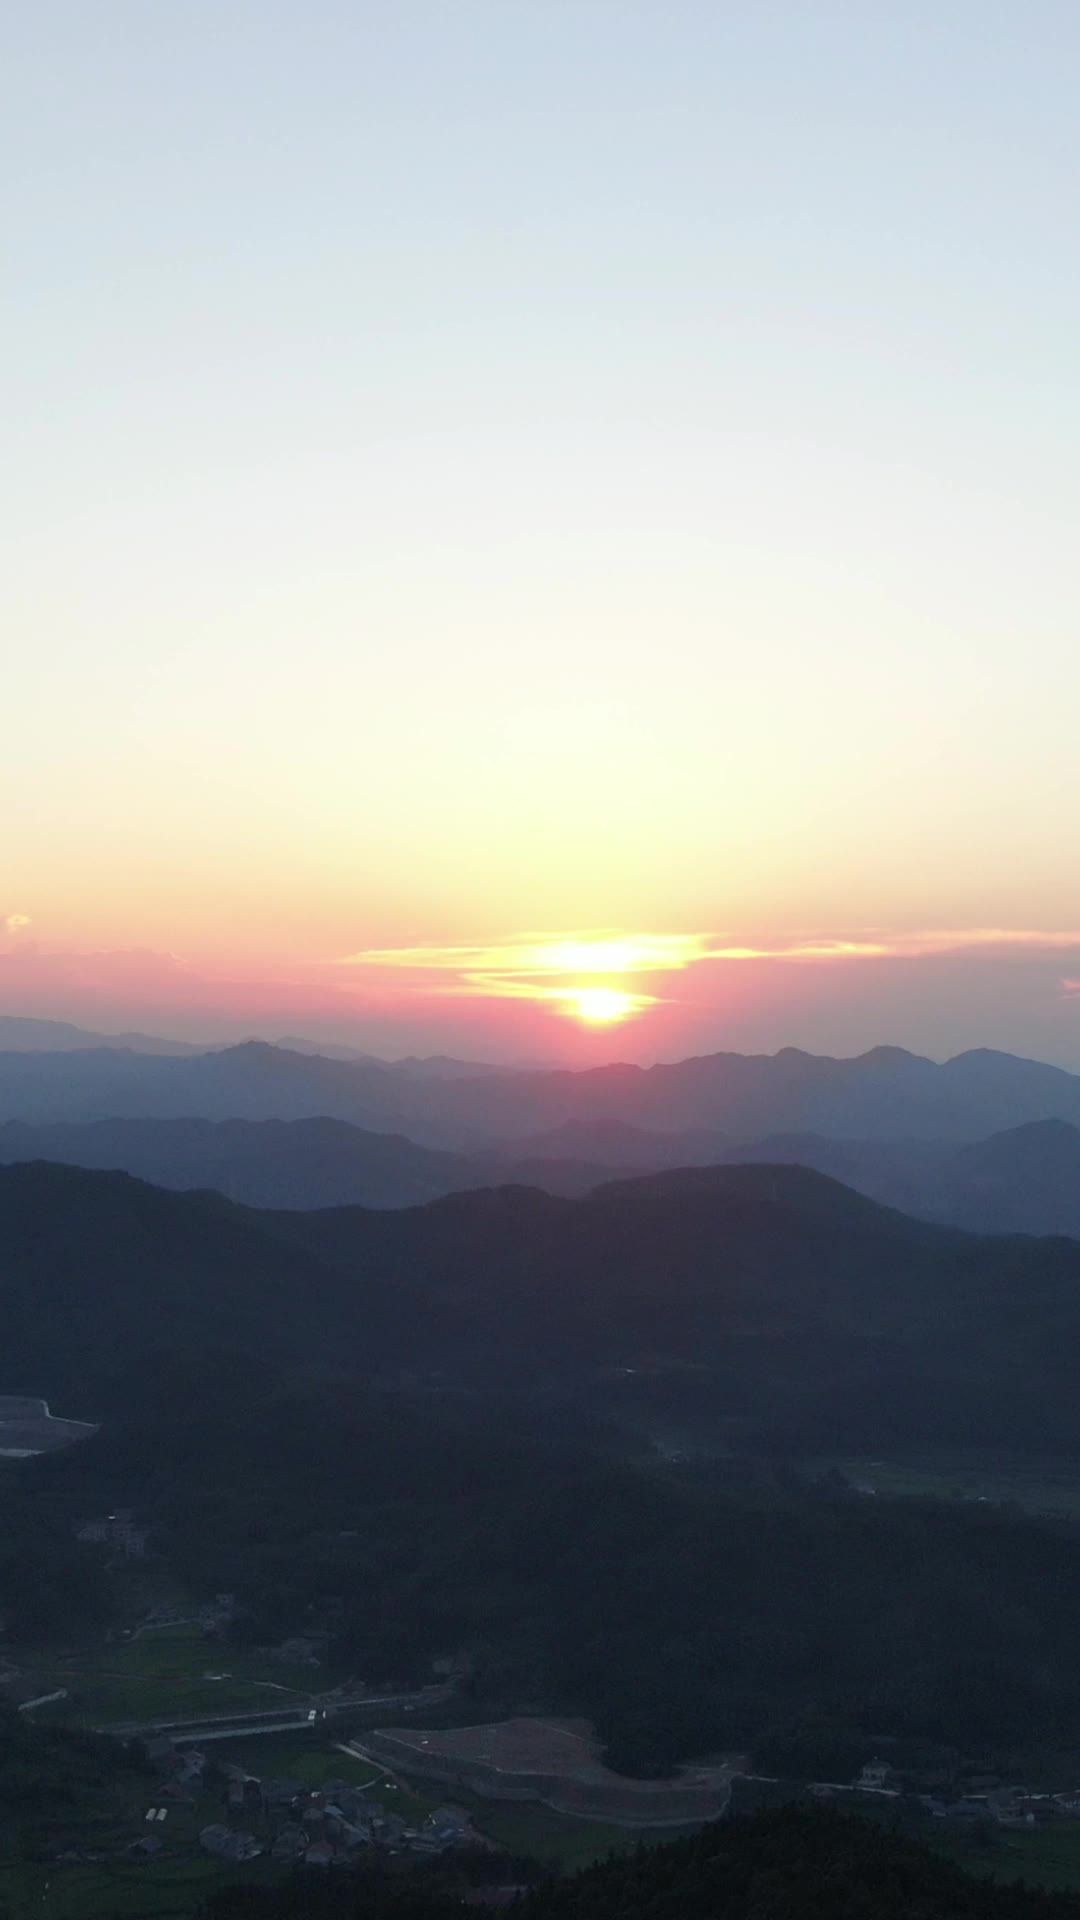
x=166 y=1889
x=557 y=1839
x=170 y=1885
x=297 y=1756
x=162 y=1674
x=1048 y=1857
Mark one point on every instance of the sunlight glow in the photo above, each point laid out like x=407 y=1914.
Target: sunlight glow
x=572 y=973
x=603 y=1006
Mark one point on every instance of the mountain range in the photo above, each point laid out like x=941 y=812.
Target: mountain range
x=885 y=1094
x=287 y=1163
x=20 y=1034
x=1024 y=1180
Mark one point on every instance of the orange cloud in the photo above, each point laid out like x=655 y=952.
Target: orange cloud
x=565 y=971
x=556 y=969
x=560 y=953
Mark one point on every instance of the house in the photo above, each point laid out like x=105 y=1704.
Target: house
x=227 y=1845
x=1038 y=1808
x=116 y=1530
x=449 y=1823
x=341 y=1794
x=875 y=1777
x=281 y=1793
x=390 y=1829
x=290 y=1843
x=353 y=1834
x=969 y=1809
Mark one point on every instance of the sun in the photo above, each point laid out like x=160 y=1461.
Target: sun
x=602 y=1006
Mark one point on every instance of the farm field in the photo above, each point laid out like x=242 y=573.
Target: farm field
x=557 y=1839
x=312 y=1760
x=165 y=1672
x=171 y=1885
x=164 y=1889
x=307 y=1757
x=1049 y=1857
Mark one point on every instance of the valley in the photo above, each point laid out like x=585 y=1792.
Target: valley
x=757 y=1481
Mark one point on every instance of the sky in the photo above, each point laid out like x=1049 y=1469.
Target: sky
x=523 y=478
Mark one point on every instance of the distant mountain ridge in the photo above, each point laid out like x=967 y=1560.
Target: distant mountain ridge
x=23 y=1034
x=20 y=1034
x=307 y=1163
x=885 y=1094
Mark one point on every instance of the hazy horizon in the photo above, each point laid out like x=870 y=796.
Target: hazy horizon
x=613 y=1050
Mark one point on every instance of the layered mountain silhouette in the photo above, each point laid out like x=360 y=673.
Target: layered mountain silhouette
x=886 y=1094
x=1024 y=1180
x=286 y=1163
x=20 y=1034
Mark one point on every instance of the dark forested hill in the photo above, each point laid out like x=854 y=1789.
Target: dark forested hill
x=788 y=1865
x=114 y=1295
x=432 y=1419
x=1023 y=1180
x=769 y=1299
x=770 y=1296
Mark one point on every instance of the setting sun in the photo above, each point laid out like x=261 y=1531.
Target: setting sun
x=602 y=1006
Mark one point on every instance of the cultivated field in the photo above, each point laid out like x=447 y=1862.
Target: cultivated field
x=172 y=1672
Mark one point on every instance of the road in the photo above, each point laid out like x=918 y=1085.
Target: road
x=234 y=1726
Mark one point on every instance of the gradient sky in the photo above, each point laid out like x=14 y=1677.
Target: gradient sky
x=484 y=469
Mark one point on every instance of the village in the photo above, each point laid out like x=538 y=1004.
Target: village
x=289 y=1821
x=972 y=1800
